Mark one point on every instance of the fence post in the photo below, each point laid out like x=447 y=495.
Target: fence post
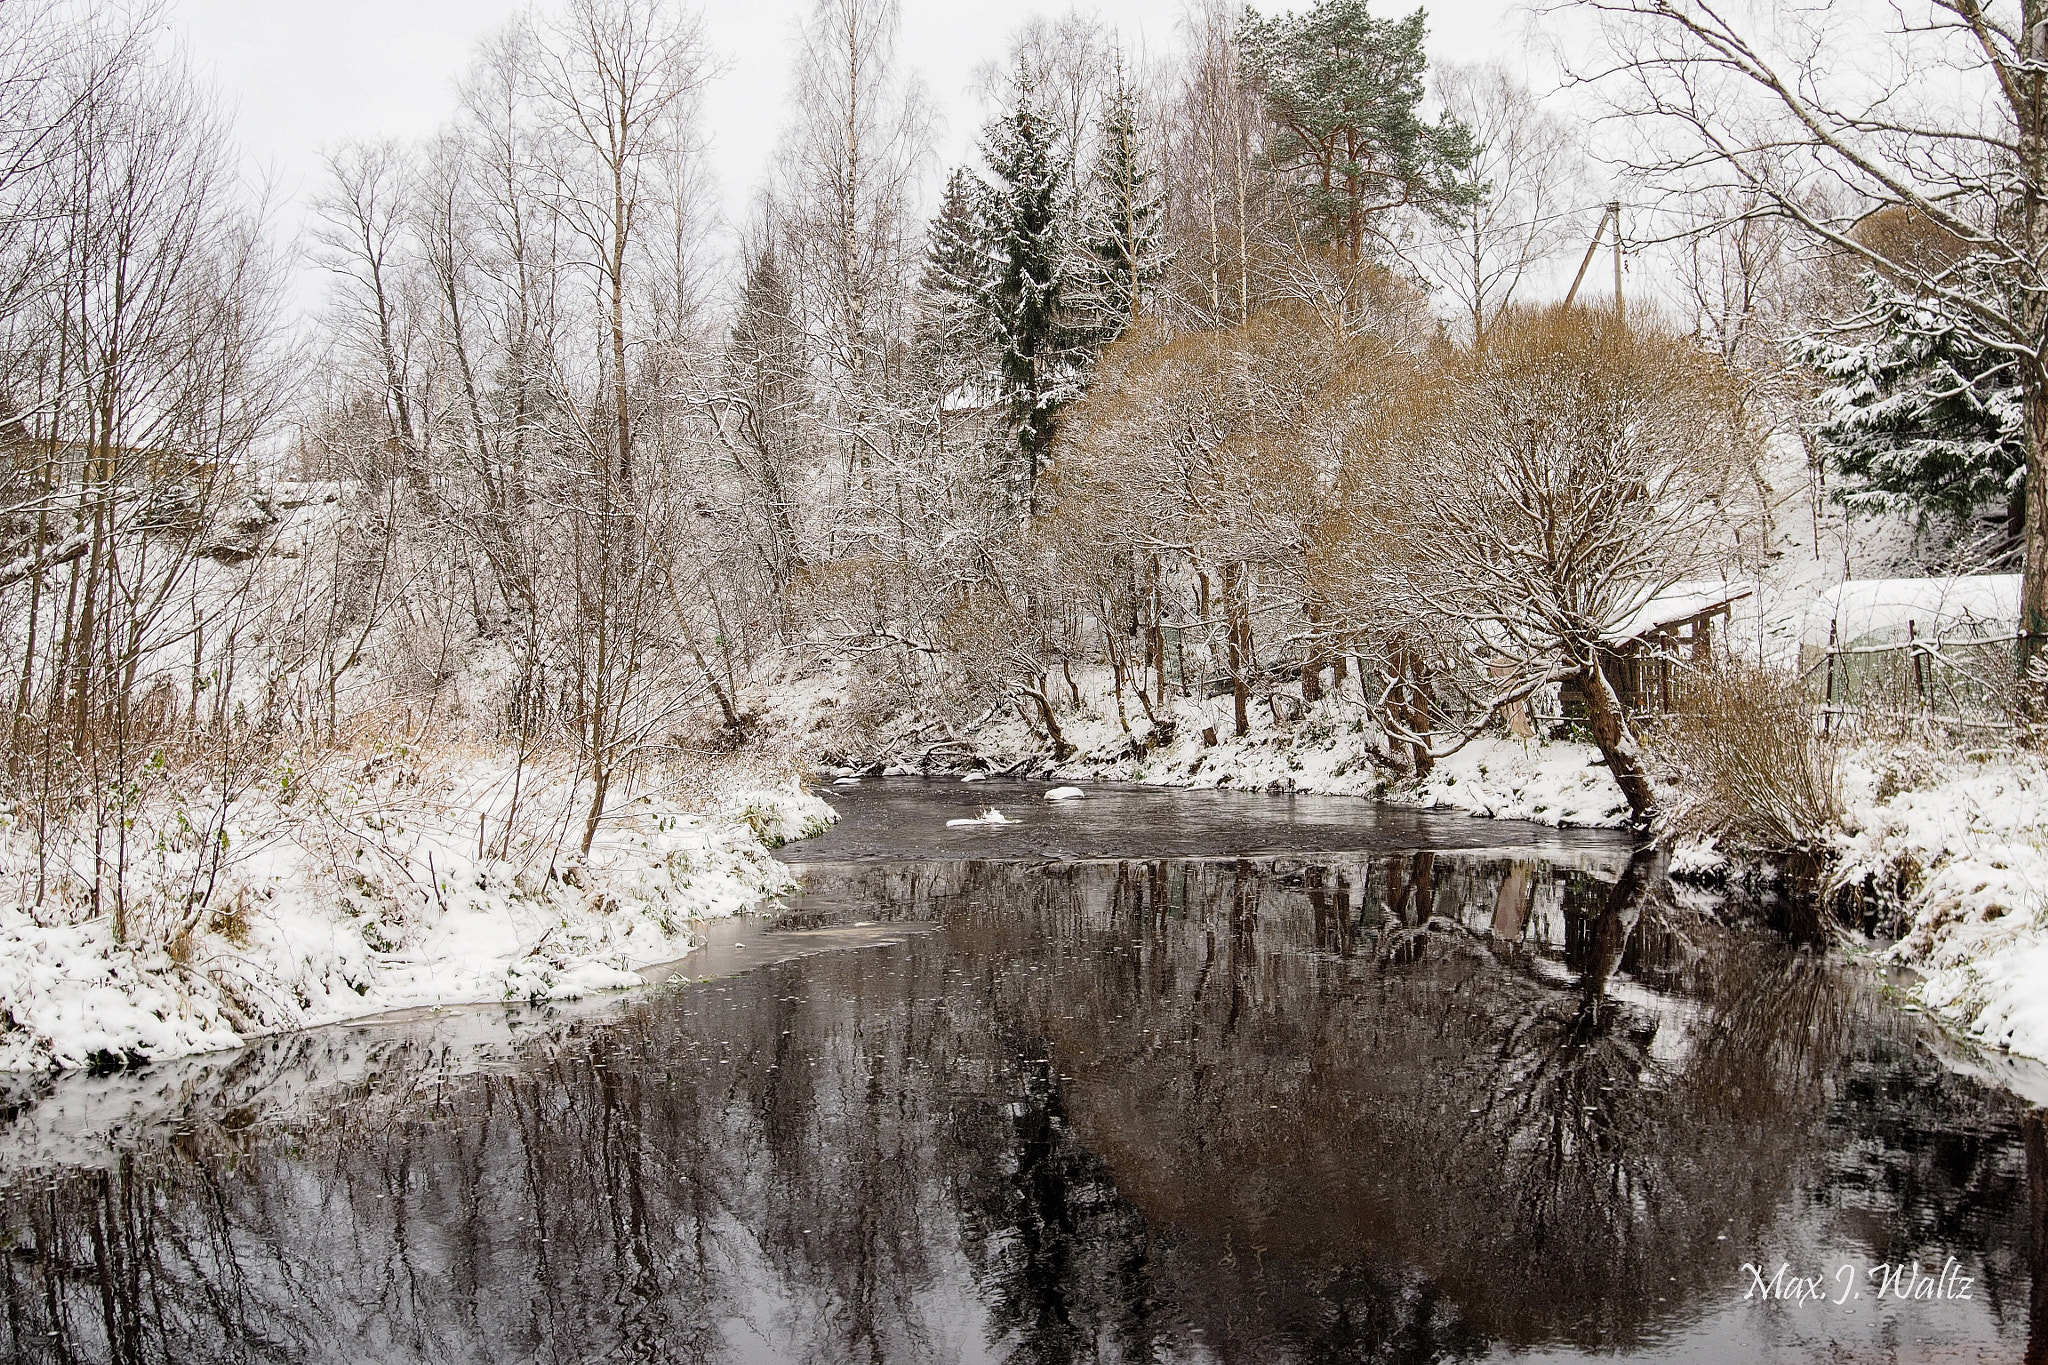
x=1919 y=664
x=1827 y=706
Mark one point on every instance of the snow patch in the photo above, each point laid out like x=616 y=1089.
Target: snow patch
x=1954 y=850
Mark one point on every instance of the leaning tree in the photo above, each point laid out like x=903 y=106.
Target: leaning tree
x=1551 y=484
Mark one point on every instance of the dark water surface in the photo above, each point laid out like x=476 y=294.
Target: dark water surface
x=1153 y=1076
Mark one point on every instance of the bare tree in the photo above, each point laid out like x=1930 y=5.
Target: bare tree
x=1826 y=114
x=151 y=375
x=616 y=85
x=369 y=241
x=1218 y=209
x=1524 y=186
x=1567 y=472
x=845 y=206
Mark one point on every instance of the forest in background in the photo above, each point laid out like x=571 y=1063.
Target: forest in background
x=1238 y=372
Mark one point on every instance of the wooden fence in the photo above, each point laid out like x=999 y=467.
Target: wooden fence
x=1959 y=681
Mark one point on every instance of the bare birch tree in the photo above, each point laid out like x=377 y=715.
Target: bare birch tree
x=616 y=85
x=1524 y=187
x=151 y=376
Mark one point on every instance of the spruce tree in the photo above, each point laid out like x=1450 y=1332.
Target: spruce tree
x=1025 y=300
x=1919 y=417
x=953 y=330
x=765 y=367
x=765 y=352
x=1124 y=255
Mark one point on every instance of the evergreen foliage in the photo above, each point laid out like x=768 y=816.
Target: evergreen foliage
x=1026 y=289
x=953 y=322
x=1920 y=416
x=765 y=349
x=1124 y=253
x=1343 y=90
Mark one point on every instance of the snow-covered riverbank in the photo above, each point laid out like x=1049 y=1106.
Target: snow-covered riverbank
x=1955 y=847
x=377 y=882
x=1330 y=749
x=1955 y=852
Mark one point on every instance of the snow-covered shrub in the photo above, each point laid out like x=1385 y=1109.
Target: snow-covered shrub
x=778 y=817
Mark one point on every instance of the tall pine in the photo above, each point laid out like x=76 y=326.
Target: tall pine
x=1344 y=91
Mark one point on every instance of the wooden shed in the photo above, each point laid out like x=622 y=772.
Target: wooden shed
x=1648 y=655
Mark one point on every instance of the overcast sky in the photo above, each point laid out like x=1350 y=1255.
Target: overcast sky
x=304 y=76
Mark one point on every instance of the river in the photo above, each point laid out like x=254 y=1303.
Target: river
x=1148 y=1076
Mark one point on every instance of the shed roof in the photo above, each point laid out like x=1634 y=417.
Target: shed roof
x=1677 y=604
x=1878 y=611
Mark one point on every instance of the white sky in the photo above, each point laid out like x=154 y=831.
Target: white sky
x=303 y=75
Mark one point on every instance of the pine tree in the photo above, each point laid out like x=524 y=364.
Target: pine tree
x=1025 y=291
x=1124 y=254
x=1919 y=417
x=1343 y=90
x=953 y=328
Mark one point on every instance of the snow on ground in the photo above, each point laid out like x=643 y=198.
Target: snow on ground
x=370 y=884
x=1329 y=748
x=1957 y=849
x=1968 y=839
x=1332 y=746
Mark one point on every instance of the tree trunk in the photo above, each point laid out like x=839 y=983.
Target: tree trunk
x=2033 y=624
x=1617 y=741
x=1411 y=706
x=1314 y=662
x=1061 y=750
x=1155 y=638
x=600 y=786
x=1237 y=633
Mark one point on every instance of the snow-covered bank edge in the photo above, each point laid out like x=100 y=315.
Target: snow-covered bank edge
x=1954 y=847
x=1330 y=749
x=1951 y=853
x=397 y=882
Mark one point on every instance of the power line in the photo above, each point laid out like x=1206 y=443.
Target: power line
x=1509 y=227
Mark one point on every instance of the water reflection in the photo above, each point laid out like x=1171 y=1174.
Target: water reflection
x=1399 y=1107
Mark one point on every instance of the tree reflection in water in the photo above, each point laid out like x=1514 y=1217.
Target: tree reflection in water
x=1408 y=1107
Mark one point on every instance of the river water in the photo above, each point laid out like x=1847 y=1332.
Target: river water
x=1147 y=1076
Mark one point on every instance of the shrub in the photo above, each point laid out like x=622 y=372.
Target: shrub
x=1755 y=772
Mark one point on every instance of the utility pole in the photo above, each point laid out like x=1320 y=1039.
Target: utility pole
x=1612 y=215
x=1620 y=311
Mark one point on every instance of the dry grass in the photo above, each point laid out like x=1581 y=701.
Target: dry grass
x=1756 y=773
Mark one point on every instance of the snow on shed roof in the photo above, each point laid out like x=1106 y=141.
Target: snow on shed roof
x=1678 y=603
x=1877 y=611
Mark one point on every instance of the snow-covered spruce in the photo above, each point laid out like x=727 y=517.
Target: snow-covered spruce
x=382 y=883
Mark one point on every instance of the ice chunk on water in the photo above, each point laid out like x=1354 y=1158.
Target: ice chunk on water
x=1065 y=794
x=987 y=817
